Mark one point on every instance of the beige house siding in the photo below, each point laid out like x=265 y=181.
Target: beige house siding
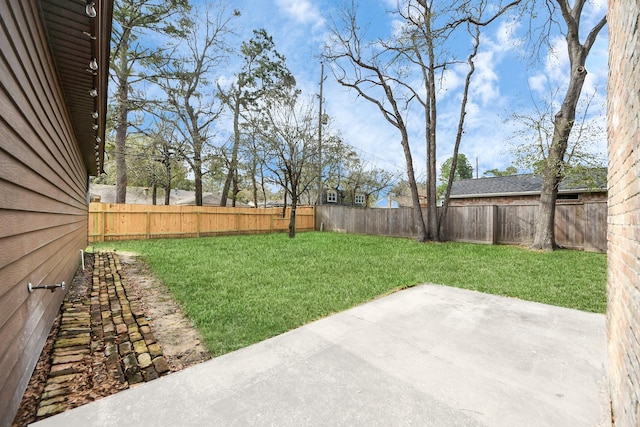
x=623 y=113
x=43 y=194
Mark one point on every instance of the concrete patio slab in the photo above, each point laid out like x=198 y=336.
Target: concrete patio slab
x=428 y=356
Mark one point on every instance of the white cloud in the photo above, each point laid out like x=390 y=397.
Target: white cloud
x=302 y=11
x=450 y=80
x=594 y=12
x=485 y=79
x=506 y=35
x=499 y=86
x=553 y=77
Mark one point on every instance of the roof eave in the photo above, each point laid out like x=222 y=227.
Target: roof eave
x=67 y=23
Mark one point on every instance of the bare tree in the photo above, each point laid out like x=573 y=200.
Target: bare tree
x=456 y=147
x=383 y=66
x=348 y=173
x=365 y=68
x=287 y=128
x=369 y=183
x=131 y=19
x=553 y=170
x=263 y=70
x=189 y=109
x=255 y=166
x=532 y=138
x=166 y=154
x=338 y=162
x=429 y=26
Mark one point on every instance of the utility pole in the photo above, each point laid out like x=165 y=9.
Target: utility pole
x=320 y=120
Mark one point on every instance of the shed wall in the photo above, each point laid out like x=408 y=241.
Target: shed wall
x=43 y=206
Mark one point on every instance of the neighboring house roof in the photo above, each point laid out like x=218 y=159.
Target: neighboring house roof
x=208 y=199
x=403 y=201
x=519 y=185
x=75 y=39
x=142 y=196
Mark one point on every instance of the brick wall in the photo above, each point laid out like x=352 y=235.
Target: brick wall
x=523 y=200
x=623 y=107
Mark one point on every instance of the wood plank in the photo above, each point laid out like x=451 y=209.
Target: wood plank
x=508 y=224
x=20 y=325
x=37 y=59
x=14 y=321
x=38 y=266
x=20 y=199
x=15 y=247
x=22 y=110
x=16 y=172
x=14 y=377
x=21 y=139
x=121 y=222
x=18 y=222
x=43 y=212
x=595 y=227
x=30 y=128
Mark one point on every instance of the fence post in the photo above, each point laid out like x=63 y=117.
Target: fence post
x=104 y=224
x=492 y=217
x=198 y=223
x=148 y=224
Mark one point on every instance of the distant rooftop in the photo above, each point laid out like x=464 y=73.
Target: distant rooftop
x=524 y=184
x=143 y=196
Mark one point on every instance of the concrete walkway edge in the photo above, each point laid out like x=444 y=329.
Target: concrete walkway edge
x=429 y=355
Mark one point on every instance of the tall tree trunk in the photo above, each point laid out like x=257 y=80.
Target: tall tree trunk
x=432 y=195
x=167 y=186
x=234 y=191
x=233 y=167
x=254 y=183
x=284 y=204
x=197 y=174
x=417 y=209
x=122 y=118
x=121 y=127
x=430 y=117
x=463 y=112
x=294 y=204
x=263 y=187
x=154 y=194
x=544 y=237
x=292 y=220
x=431 y=230
x=254 y=172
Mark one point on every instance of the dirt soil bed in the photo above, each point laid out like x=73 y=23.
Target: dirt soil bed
x=179 y=341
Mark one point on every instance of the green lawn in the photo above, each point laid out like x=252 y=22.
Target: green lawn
x=239 y=290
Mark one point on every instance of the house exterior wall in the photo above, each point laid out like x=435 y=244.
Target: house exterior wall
x=623 y=312
x=43 y=197
x=522 y=200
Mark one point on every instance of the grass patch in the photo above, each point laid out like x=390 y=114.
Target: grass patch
x=239 y=290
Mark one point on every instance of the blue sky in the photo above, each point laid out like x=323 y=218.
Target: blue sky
x=505 y=81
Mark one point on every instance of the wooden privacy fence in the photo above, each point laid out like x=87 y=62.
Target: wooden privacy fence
x=128 y=222
x=580 y=225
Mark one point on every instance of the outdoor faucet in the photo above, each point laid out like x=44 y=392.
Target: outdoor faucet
x=50 y=287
